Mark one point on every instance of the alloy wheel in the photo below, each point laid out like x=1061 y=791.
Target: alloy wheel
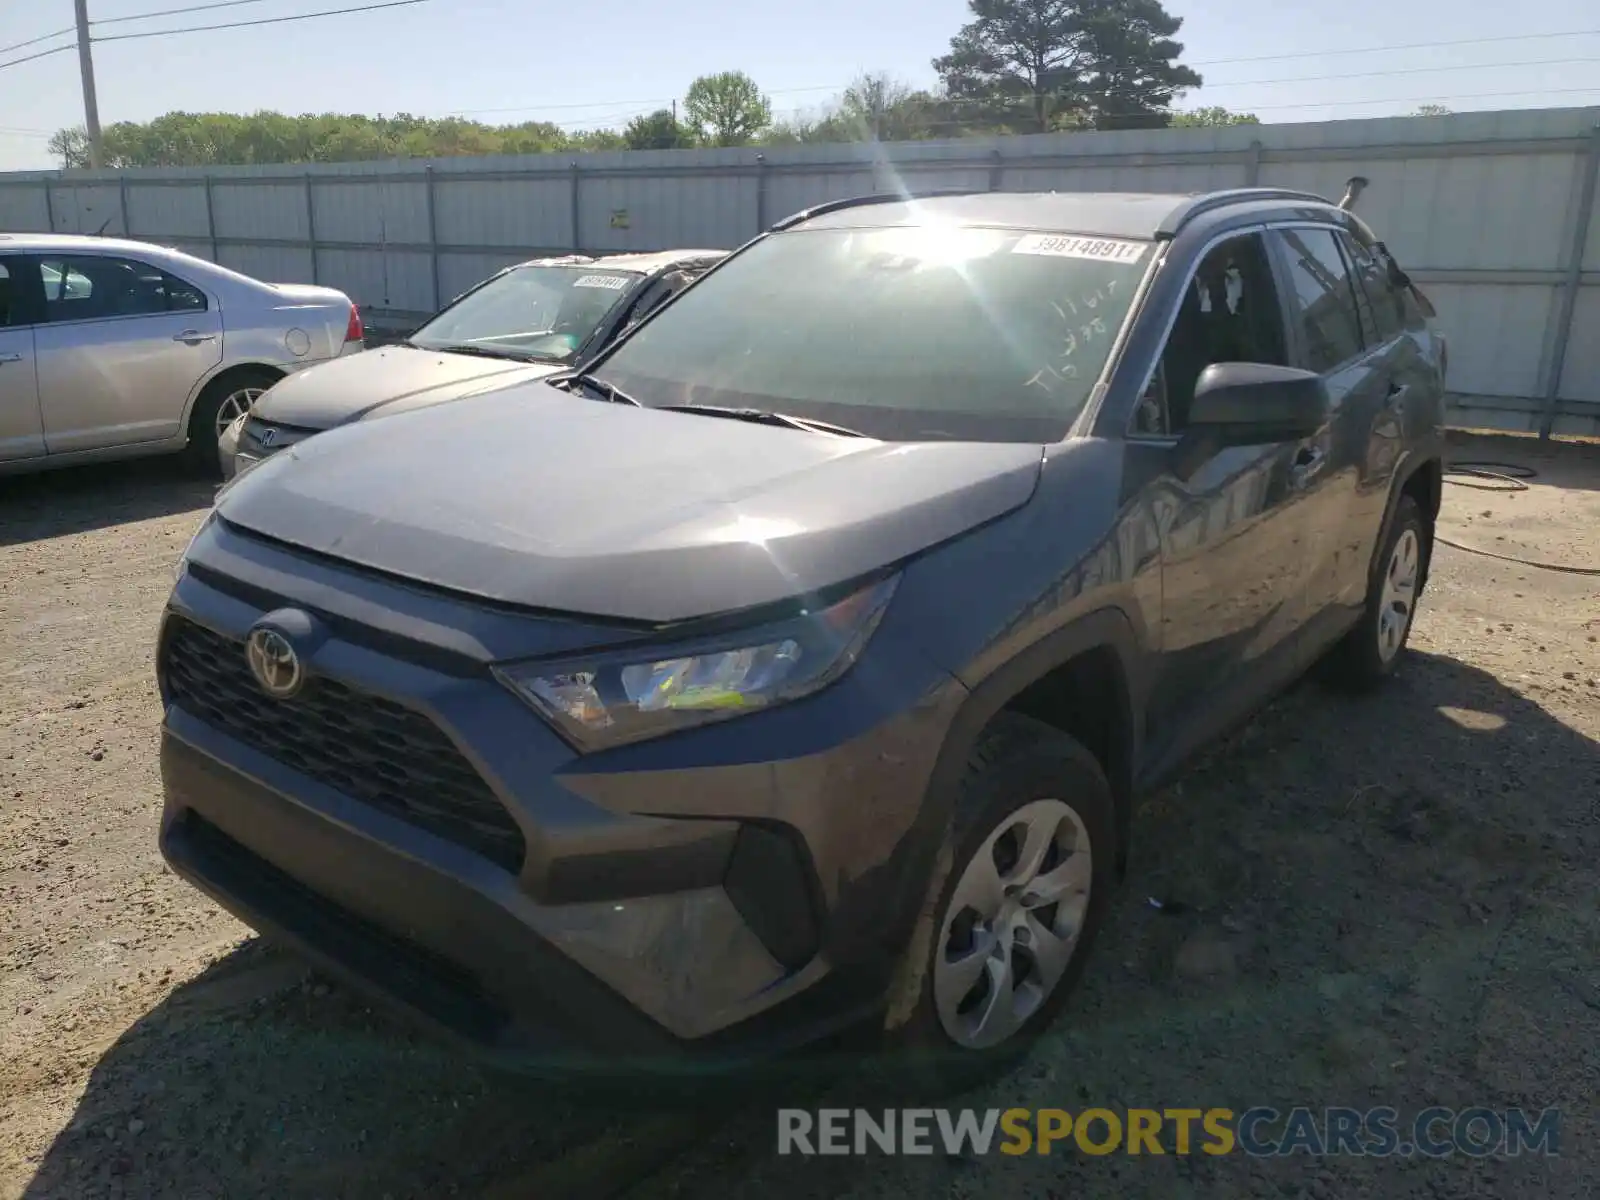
x=234 y=405
x=1012 y=924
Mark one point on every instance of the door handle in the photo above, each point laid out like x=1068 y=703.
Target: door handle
x=193 y=337
x=5 y=358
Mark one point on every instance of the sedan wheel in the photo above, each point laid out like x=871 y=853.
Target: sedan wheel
x=234 y=405
x=1013 y=924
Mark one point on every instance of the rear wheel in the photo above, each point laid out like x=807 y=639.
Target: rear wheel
x=1031 y=869
x=1369 y=653
x=224 y=400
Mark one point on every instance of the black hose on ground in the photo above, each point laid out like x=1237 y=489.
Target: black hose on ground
x=1507 y=477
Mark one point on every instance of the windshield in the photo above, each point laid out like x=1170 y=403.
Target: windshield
x=537 y=312
x=907 y=333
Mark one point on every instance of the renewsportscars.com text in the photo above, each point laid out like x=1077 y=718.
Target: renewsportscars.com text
x=1378 y=1132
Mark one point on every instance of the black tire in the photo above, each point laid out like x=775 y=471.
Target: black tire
x=201 y=452
x=1357 y=661
x=1018 y=761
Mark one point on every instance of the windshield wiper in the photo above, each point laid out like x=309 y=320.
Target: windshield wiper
x=484 y=352
x=760 y=416
x=606 y=391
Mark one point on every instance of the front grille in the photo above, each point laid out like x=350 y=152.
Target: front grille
x=369 y=748
x=267 y=437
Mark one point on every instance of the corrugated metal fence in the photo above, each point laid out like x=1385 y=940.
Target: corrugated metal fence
x=1491 y=212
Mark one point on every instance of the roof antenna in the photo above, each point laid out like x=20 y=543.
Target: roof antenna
x=103 y=224
x=1353 y=188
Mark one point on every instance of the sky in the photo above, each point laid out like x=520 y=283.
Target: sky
x=597 y=64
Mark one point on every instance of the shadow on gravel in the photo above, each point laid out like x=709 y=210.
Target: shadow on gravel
x=56 y=503
x=256 y=1079
x=1391 y=903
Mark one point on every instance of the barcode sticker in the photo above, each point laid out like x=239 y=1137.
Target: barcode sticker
x=614 y=282
x=1104 y=249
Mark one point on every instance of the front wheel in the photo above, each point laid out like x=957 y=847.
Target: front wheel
x=223 y=401
x=1031 y=856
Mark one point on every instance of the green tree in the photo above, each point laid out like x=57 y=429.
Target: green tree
x=880 y=108
x=1133 y=74
x=1036 y=65
x=181 y=139
x=1211 y=118
x=726 y=109
x=659 y=130
x=71 y=146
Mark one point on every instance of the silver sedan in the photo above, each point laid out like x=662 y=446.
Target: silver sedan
x=115 y=349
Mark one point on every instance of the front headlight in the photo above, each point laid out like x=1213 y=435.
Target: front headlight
x=634 y=694
x=183 y=560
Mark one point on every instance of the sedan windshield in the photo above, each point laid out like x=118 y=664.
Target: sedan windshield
x=906 y=333
x=542 y=312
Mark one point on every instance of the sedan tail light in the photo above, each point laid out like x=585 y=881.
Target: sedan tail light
x=353 y=332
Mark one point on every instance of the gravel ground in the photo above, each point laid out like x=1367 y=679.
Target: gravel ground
x=1395 y=904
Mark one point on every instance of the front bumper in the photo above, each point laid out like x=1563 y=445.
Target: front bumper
x=713 y=897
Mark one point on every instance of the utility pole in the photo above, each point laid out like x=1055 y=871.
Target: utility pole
x=91 y=108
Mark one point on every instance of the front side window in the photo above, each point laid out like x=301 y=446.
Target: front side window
x=93 y=287
x=1323 y=297
x=1229 y=313
x=536 y=312
x=8 y=302
x=909 y=333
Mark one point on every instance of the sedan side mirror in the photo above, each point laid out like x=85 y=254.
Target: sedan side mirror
x=1248 y=404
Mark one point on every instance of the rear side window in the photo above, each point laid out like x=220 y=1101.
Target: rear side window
x=1383 y=310
x=1323 y=297
x=7 y=304
x=91 y=287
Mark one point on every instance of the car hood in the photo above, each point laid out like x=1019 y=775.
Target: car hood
x=533 y=497
x=389 y=379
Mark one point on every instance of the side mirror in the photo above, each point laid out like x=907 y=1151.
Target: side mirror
x=1248 y=404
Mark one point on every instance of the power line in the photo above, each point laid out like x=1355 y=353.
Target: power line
x=43 y=37
x=1541 y=62
x=1519 y=37
x=1412 y=45
x=329 y=12
x=1429 y=99
x=173 y=12
x=1214 y=62
x=1027 y=102
x=17 y=62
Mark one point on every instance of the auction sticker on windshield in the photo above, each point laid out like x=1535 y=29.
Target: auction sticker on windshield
x=613 y=282
x=1104 y=249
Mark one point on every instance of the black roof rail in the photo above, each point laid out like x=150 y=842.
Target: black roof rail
x=1211 y=201
x=830 y=206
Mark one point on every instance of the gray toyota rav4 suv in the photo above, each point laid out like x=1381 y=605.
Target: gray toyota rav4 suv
x=795 y=665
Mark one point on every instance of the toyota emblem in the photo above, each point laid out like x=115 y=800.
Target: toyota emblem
x=274 y=663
